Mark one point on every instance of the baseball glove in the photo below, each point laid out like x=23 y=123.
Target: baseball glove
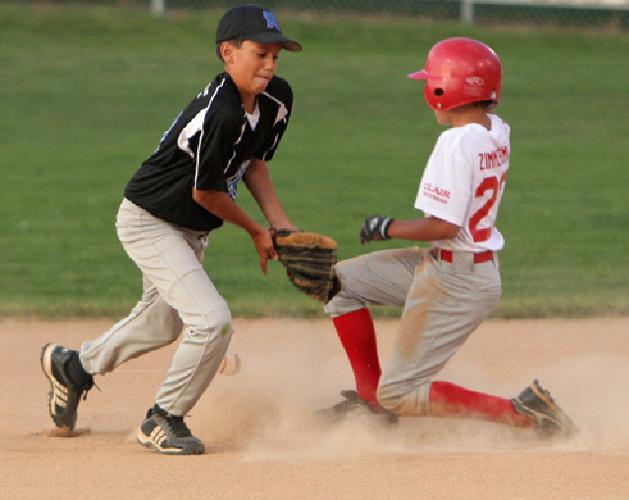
x=309 y=259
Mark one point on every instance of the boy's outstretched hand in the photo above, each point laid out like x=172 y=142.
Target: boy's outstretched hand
x=375 y=228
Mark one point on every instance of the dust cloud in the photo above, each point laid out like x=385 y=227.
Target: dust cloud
x=269 y=410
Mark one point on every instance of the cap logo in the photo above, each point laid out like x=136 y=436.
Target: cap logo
x=475 y=81
x=271 y=22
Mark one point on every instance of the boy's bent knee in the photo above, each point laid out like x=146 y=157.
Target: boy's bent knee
x=219 y=333
x=410 y=403
x=345 y=301
x=220 y=322
x=342 y=304
x=214 y=324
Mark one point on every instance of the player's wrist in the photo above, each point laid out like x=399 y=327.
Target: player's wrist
x=375 y=228
x=387 y=226
x=256 y=230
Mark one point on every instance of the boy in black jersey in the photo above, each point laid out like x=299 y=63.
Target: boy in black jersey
x=183 y=191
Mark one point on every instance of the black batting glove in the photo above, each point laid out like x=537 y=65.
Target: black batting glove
x=375 y=228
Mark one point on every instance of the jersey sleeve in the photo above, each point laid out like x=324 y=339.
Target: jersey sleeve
x=446 y=185
x=280 y=95
x=220 y=132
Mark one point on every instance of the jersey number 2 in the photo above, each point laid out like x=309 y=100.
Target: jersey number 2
x=494 y=185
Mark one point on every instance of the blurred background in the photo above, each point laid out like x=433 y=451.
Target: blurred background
x=536 y=12
x=87 y=89
x=602 y=13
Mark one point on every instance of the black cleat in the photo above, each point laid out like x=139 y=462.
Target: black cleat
x=550 y=420
x=68 y=383
x=354 y=404
x=168 y=434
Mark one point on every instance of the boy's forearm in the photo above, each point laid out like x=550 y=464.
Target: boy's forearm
x=426 y=229
x=221 y=205
x=258 y=181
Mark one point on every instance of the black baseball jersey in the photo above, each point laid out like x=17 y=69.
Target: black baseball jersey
x=209 y=146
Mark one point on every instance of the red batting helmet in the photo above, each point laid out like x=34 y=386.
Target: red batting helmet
x=460 y=71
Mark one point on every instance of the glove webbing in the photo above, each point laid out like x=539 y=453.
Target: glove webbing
x=310 y=265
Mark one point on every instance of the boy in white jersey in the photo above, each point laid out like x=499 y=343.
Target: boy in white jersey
x=448 y=290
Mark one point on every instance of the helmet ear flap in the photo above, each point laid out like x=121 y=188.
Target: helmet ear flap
x=438 y=92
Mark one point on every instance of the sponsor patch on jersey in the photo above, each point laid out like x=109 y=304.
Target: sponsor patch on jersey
x=436 y=193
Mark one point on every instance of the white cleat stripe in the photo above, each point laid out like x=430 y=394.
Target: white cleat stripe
x=158 y=436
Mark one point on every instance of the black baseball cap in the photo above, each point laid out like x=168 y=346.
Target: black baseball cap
x=250 y=22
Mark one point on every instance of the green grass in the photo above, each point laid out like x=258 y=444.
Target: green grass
x=87 y=92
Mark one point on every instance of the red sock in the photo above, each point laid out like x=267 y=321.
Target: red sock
x=450 y=400
x=358 y=336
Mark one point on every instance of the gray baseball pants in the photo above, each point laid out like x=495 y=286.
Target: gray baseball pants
x=176 y=291
x=443 y=302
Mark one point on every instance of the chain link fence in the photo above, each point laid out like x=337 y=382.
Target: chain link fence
x=604 y=14
x=577 y=13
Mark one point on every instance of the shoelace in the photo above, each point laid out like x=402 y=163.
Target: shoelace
x=84 y=391
x=177 y=425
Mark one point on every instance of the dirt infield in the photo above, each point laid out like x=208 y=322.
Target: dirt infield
x=264 y=443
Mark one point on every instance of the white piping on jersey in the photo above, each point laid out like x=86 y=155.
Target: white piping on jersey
x=198 y=159
x=189 y=131
x=252 y=118
x=282 y=110
x=277 y=137
x=195 y=125
x=232 y=182
x=282 y=113
x=242 y=132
